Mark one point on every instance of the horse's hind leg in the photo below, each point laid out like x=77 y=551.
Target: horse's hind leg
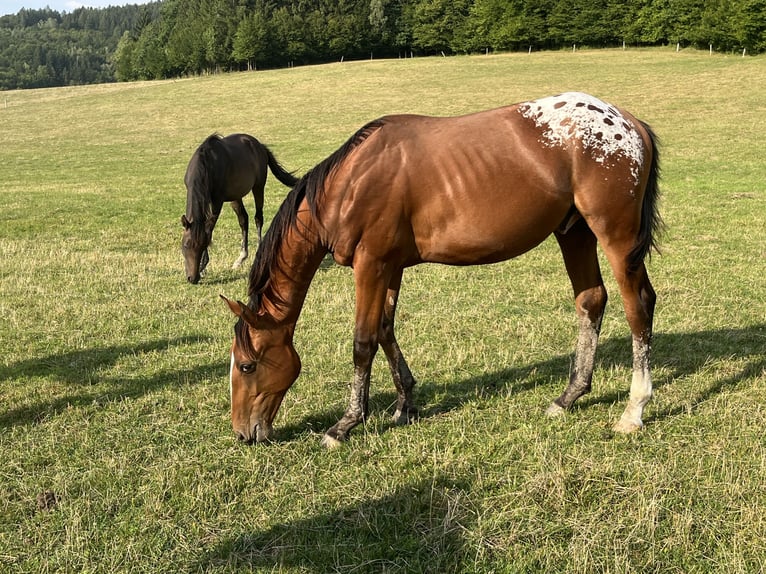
x=258 y=196
x=244 y=224
x=578 y=246
x=639 y=299
x=406 y=411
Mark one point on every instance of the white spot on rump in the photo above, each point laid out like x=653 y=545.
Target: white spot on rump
x=600 y=127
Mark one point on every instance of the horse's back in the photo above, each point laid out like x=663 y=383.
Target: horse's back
x=461 y=190
x=477 y=188
x=244 y=164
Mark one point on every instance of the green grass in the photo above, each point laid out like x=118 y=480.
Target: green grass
x=113 y=373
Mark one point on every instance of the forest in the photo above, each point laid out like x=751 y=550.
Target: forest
x=175 y=38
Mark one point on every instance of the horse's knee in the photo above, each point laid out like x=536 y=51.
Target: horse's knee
x=364 y=350
x=592 y=302
x=386 y=332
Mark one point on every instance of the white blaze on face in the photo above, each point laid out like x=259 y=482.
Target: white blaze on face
x=600 y=127
x=231 y=379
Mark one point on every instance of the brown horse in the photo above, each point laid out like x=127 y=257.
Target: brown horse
x=224 y=169
x=467 y=190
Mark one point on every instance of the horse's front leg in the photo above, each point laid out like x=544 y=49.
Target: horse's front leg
x=239 y=209
x=372 y=279
x=209 y=227
x=406 y=411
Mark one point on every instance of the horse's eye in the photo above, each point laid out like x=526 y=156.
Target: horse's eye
x=246 y=368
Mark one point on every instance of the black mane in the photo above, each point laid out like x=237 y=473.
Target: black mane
x=309 y=187
x=203 y=177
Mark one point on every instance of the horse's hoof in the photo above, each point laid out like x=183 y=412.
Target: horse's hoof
x=555 y=410
x=330 y=443
x=405 y=417
x=625 y=426
x=240 y=260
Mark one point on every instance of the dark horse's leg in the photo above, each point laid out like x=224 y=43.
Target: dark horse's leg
x=258 y=197
x=578 y=246
x=239 y=209
x=406 y=411
x=372 y=279
x=209 y=227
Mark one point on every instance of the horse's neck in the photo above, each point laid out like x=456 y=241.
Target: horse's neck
x=294 y=267
x=198 y=199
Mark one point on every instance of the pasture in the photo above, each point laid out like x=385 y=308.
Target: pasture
x=114 y=371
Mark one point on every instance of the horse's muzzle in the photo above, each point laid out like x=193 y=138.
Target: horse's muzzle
x=260 y=433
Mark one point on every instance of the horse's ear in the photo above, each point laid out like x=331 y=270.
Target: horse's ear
x=185 y=222
x=241 y=310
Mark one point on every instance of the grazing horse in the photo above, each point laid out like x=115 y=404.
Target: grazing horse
x=466 y=190
x=224 y=169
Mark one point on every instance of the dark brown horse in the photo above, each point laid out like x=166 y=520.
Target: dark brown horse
x=224 y=169
x=467 y=190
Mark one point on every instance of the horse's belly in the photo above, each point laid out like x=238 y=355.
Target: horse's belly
x=496 y=234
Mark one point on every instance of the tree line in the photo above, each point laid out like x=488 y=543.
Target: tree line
x=172 y=38
x=45 y=48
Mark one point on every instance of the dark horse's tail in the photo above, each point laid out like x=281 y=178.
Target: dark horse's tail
x=651 y=222
x=279 y=172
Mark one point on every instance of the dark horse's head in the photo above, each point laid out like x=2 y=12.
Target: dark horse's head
x=194 y=243
x=198 y=221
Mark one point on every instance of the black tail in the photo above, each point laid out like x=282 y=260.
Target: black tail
x=279 y=172
x=651 y=221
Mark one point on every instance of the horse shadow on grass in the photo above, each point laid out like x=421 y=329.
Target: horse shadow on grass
x=81 y=370
x=417 y=528
x=675 y=356
x=682 y=355
x=421 y=527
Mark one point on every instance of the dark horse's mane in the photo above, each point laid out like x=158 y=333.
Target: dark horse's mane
x=204 y=177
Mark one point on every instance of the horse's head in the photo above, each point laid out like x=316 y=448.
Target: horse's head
x=194 y=243
x=264 y=365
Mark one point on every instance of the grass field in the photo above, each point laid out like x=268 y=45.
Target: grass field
x=113 y=373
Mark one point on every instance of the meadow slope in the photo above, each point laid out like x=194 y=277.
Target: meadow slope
x=113 y=373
